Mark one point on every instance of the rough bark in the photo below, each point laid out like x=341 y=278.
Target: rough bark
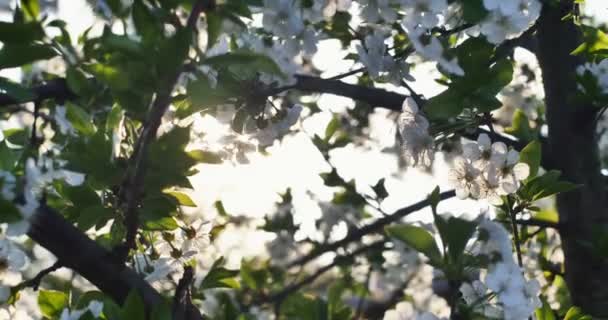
x=573 y=148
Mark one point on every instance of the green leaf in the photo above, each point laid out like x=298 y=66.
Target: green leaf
x=77 y=81
x=520 y=126
x=182 y=198
x=114 y=118
x=419 y=239
x=133 y=308
x=456 y=233
x=214 y=27
x=332 y=127
x=220 y=277
x=595 y=41
x=544 y=312
x=157 y=213
x=90 y=216
x=434 y=198
x=52 y=303
x=20 y=32
x=9 y=156
x=205 y=156
x=161 y=311
x=31 y=8
x=161 y=224
x=146 y=24
x=447 y=104
x=112 y=76
x=531 y=155
x=575 y=313
x=245 y=61
x=473 y=11
x=544 y=186
x=15 y=55
x=549 y=215
x=80 y=119
x=10 y=213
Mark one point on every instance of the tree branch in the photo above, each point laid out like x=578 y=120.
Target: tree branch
x=281 y=295
x=76 y=251
x=376 y=226
x=133 y=184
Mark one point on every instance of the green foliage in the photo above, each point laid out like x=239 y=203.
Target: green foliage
x=477 y=89
x=52 y=303
x=133 y=307
x=575 y=313
x=520 y=127
x=595 y=42
x=544 y=186
x=419 y=239
x=220 y=277
x=244 y=62
x=531 y=155
x=16 y=54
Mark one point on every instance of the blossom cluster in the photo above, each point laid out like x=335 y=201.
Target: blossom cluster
x=487 y=170
x=507 y=19
x=172 y=250
x=405 y=311
x=421 y=16
x=598 y=70
x=517 y=297
x=372 y=54
x=284 y=20
x=12 y=260
x=417 y=143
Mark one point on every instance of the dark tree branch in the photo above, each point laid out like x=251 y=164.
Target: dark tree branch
x=538 y=223
x=133 y=183
x=53 y=89
x=376 y=226
x=76 y=251
x=34 y=282
x=183 y=309
x=573 y=146
x=281 y=295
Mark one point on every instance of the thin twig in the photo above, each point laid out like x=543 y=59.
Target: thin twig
x=515 y=235
x=281 y=295
x=133 y=183
x=376 y=226
x=34 y=282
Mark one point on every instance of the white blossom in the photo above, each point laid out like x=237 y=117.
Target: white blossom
x=12 y=259
x=508 y=19
x=281 y=18
x=374 y=11
x=403 y=311
x=430 y=48
x=599 y=71
x=424 y=12
x=464 y=177
x=417 y=143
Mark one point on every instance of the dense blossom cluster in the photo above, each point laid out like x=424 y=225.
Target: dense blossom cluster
x=169 y=253
x=507 y=19
x=487 y=170
x=516 y=297
x=373 y=55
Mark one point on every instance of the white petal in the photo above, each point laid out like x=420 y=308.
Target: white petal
x=462 y=193
x=484 y=141
x=521 y=171
x=512 y=157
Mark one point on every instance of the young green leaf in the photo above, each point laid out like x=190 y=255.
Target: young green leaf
x=419 y=239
